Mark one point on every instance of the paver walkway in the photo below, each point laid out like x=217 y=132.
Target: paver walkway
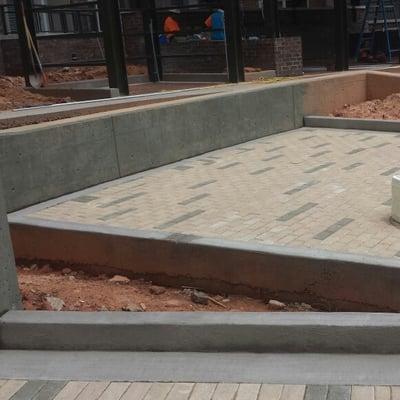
x=319 y=188
x=63 y=390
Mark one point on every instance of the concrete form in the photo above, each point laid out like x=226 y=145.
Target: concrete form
x=9 y=293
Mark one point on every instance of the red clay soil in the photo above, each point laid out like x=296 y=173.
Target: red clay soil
x=388 y=108
x=13 y=95
x=71 y=74
x=43 y=287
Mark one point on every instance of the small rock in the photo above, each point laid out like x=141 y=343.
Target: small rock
x=173 y=303
x=143 y=306
x=71 y=278
x=199 y=297
x=276 y=305
x=26 y=269
x=45 y=269
x=66 y=271
x=55 y=303
x=226 y=300
x=103 y=308
x=119 y=279
x=187 y=291
x=132 y=308
x=157 y=290
x=33 y=267
x=306 y=306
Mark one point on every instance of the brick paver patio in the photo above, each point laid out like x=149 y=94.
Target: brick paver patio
x=317 y=188
x=64 y=390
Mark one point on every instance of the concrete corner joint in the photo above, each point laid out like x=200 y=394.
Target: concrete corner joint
x=396 y=198
x=9 y=293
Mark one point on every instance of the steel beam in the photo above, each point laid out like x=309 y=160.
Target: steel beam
x=271 y=18
x=341 y=36
x=110 y=21
x=233 y=37
x=24 y=10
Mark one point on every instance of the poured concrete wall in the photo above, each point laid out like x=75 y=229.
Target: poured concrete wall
x=325 y=279
x=9 y=293
x=52 y=159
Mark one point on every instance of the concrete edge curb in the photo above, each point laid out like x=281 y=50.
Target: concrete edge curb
x=202 y=332
x=351 y=123
x=334 y=281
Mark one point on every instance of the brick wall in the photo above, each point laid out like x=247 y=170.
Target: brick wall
x=288 y=56
x=283 y=54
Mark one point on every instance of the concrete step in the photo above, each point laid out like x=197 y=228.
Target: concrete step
x=310 y=369
x=202 y=332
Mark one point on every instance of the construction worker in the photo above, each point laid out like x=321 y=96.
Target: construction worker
x=216 y=22
x=171 y=25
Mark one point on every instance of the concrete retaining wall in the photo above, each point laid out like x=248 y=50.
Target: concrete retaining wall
x=201 y=332
x=52 y=159
x=324 y=279
x=9 y=293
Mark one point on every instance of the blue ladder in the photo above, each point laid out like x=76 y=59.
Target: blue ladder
x=380 y=15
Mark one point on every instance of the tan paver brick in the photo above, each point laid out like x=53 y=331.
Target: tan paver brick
x=236 y=204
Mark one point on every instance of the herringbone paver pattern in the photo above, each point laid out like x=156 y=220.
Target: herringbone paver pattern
x=64 y=390
x=319 y=188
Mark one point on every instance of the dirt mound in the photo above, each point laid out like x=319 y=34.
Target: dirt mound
x=13 y=95
x=388 y=108
x=71 y=74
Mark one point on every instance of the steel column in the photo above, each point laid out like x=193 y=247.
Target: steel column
x=233 y=37
x=24 y=9
x=110 y=22
x=271 y=18
x=341 y=36
x=152 y=44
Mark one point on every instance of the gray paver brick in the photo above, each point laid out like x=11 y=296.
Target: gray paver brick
x=49 y=390
x=339 y=393
x=201 y=184
x=390 y=171
x=316 y=392
x=227 y=166
x=294 y=213
x=180 y=219
x=194 y=199
x=29 y=390
x=319 y=167
x=333 y=229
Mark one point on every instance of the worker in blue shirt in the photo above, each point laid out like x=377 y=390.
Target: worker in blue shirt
x=216 y=22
